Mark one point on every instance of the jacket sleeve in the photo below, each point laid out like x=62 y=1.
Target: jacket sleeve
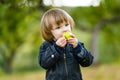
x=48 y=55
x=83 y=56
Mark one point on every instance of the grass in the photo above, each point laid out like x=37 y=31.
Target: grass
x=102 y=72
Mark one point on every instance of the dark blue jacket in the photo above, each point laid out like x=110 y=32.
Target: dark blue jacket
x=63 y=63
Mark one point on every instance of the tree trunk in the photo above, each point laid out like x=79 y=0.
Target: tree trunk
x=94 y=42
x=95 y=34
x=9 y=61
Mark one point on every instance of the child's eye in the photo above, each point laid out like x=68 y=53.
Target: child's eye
x=57 y=27
x=66 y=25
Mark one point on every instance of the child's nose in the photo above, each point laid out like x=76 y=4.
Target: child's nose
x=65 y=29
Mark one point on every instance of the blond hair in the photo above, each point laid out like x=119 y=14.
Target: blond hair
x=51 y=17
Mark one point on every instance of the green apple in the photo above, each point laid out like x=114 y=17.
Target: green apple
x=67 y=35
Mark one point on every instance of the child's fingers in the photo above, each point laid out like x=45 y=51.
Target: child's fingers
x=70 y=41
x=61 y=42
x=72 y=35
x=73 y=41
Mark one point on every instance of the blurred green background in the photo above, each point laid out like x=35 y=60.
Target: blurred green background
x=98 y=27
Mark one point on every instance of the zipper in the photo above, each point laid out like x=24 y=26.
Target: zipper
x=65 y=65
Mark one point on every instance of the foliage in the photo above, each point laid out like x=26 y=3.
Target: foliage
x=18 y=25
x=20 y=37
x=105 y=20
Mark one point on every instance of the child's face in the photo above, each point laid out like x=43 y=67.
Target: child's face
x=57 y=31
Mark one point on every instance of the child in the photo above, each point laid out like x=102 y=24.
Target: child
x=59 y=56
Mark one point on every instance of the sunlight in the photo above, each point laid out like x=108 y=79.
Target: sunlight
x=72 y=3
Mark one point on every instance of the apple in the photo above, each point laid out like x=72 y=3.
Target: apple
x=67 y=35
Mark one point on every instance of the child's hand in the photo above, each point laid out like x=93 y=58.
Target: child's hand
x=61 y=42
x=73 y=41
